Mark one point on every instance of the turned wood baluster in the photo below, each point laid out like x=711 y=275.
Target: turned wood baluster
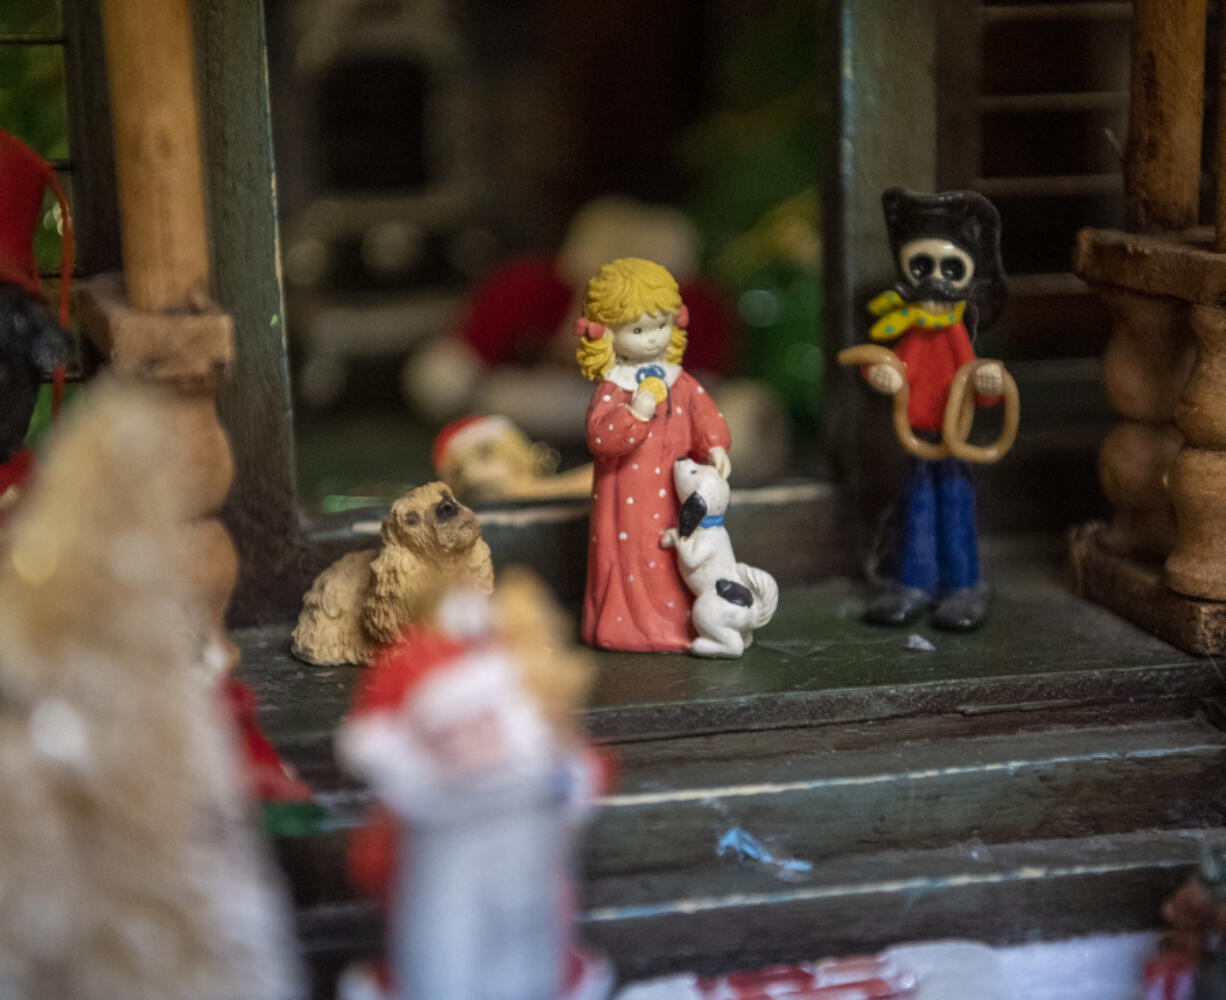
x=1145 y=367
x=1197 y=566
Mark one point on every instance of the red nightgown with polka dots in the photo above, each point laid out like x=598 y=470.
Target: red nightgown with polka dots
x=635 y=598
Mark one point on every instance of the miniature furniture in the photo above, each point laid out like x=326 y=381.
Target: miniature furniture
x=1161 y=560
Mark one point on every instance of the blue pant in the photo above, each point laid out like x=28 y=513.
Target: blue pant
x=940 y=549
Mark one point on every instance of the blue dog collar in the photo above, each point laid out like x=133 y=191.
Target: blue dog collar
x=712 y=521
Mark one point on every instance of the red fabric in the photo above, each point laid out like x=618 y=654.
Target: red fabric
x=715 y=350
x=24 y=176
x=371 y=854
x=1169 y=976
x=268 y=776
x=518 y=311
x=933 y=357
x=23 y=179
x=635 y=596
x=16 y=470
x=515 y=314
x=400 y=668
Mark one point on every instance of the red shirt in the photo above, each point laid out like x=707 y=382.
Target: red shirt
x=933 y=357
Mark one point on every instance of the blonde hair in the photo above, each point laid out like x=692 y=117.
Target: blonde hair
x=620 y=292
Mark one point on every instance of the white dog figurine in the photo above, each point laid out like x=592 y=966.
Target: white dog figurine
x=730 y=598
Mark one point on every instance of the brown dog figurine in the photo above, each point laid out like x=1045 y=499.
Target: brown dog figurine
x=429 y=541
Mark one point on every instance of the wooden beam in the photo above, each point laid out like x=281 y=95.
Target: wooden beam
x=157 y=150
x=1162 y=160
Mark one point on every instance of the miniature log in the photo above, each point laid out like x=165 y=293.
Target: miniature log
x=158 y=160
x=1162 y=160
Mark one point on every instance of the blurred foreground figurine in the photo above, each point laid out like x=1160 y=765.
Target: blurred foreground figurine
x=730 y=598
x=947 y=250
x=131 y=868
x=466 y=731
x=1191 y=959
x=32 y=344
x=646 y=413
x=488 y=458
x=365 y=598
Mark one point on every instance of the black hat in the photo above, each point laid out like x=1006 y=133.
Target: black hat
x=968 y=220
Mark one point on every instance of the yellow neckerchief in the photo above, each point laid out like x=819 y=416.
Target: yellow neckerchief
x=898 y=316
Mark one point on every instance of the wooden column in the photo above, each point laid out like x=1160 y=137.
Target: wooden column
x=158 y=324
x=1219 y=154
x=157 y=152
x=1162 y=161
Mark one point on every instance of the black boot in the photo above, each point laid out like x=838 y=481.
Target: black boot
x=962 y=610
x=897 y=605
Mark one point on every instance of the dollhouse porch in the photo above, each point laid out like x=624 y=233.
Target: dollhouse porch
x=839 y=788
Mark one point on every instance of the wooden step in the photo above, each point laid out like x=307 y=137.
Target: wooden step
x=828 y=792
x=744 y=917
x=803 y=799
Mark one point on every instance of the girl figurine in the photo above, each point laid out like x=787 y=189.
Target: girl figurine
x=646 y=413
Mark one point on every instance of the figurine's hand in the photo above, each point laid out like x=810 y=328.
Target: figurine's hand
x=990 y=379
x=884 y=378
x=668 y=538
x=719 y=458
x=643 y=403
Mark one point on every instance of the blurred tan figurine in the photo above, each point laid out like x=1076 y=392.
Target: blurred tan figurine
x=488 y=458
x=131 y=867
x=364 y=599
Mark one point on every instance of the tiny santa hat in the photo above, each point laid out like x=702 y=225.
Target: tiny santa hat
x=444 y=678
x=24 y=176
x=465 y=432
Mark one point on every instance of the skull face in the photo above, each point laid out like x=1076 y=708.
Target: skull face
x=936 y=270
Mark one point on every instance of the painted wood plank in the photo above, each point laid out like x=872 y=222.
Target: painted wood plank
x=261 y=511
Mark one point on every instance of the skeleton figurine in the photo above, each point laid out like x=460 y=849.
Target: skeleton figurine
x=947 y=250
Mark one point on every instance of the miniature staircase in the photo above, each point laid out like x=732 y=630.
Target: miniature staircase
x=1055 y=774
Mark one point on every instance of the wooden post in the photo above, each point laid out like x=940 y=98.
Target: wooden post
x=157 y=152
x=1219 y=158
x=1162 y=161
x=159 y=326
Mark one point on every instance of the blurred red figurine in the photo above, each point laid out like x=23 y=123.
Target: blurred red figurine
x=458 y=729
x=32 y=344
